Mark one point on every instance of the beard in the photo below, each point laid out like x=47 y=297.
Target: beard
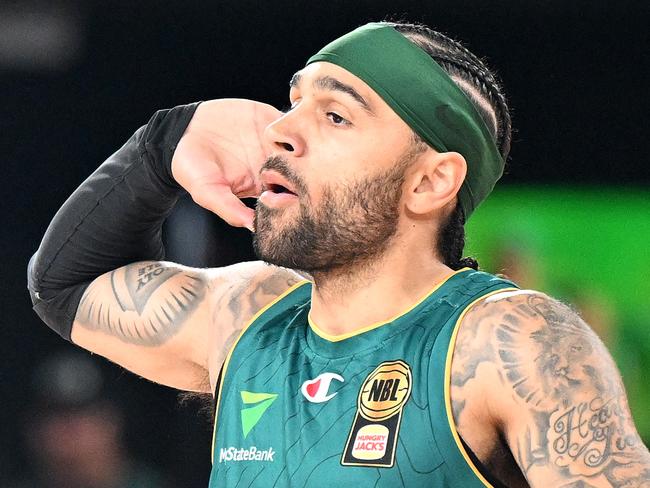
x=353 y=226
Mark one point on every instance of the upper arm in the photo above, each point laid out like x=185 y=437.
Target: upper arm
x=556 y=395
x=165 y=321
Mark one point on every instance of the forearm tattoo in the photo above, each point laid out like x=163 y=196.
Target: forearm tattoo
x=563 y=382
x=146 y=304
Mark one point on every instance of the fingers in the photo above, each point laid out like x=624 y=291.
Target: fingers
x=266 y=113
x=219 y=199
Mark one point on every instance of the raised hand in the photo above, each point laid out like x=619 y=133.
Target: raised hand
x=219 y=157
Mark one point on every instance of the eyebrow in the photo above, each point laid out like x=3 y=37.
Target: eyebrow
x=332 y=84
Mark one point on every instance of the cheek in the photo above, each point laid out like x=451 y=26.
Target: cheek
x=326 y=161
x=337 y=164
x=318 y=191
x=320 y=178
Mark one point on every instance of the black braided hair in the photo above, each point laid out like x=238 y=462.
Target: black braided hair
x=483 y=88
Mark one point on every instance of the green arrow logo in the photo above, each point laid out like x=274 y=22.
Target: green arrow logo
x=251 y=415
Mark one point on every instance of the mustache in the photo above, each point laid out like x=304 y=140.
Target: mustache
x=281 y=165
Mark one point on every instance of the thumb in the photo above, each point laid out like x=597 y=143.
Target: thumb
x=219 y=199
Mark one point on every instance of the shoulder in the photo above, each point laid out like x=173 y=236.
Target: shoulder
x=544 y=353
x=528 y=314
x=539 y=347
x=238 y=293
x=512 y=347
x=255 y=282
x=544 y=383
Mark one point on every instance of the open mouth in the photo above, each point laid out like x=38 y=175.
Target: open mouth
x=276 y=188
x=277 y=191
x=276 y=195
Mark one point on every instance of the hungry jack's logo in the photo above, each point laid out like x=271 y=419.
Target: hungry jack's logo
x=382 y=397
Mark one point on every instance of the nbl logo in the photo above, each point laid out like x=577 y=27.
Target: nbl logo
x=385 y=391
x=382 y=397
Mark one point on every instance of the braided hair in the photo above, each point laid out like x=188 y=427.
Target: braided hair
x=483 y=88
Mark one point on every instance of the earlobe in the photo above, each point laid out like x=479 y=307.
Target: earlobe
x=435 y=182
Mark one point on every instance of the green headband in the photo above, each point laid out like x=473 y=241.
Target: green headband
x=425 y=97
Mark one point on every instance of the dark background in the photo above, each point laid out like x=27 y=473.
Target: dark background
x=576 y=73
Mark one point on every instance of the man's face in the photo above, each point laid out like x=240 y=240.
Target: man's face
x=343 y=153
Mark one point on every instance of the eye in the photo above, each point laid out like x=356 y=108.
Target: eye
x=337 y=119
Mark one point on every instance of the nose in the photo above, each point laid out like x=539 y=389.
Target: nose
x=283 y=137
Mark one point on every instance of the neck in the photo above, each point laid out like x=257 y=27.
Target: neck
x=344 y=301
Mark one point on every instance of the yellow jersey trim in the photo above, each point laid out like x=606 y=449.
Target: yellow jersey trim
x=336 y=338
x=232 y=348
x=450 y=353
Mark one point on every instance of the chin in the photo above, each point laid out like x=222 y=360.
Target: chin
x=281 y=261
x=277 y=247
x=268 y=242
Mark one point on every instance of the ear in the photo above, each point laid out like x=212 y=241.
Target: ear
x=434 y=181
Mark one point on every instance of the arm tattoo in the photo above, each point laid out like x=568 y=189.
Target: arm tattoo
x=147 y=304
x=565 y=385
x=243 y=299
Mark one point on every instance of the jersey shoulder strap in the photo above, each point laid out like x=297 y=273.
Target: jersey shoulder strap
x=474 y=287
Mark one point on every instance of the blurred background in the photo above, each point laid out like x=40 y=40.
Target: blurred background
x=570 y=217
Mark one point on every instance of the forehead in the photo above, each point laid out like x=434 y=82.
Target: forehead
x=310 y=75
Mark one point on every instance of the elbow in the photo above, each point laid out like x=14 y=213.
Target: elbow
x=56 y=307
x=32 y=280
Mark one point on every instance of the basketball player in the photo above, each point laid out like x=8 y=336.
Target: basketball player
x=367 y=353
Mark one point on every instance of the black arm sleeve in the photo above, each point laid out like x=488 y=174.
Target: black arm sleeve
x=114 y=218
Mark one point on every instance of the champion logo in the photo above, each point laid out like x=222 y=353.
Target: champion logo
x=316 y=390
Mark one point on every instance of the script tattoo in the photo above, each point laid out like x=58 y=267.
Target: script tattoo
x=138 y=309
x=578 y=427
x=592 y=433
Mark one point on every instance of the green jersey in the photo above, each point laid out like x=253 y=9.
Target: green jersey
x=297 y=407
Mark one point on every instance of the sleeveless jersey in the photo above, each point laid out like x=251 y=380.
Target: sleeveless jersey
x=299 y=408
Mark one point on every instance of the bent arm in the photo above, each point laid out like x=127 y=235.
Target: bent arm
x=560 y=403
x=114 y=218
x=96 y=278
x=172 y=324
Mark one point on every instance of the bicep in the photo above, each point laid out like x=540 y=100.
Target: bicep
x=563 y=406
x=172 y=324
x=149 y=317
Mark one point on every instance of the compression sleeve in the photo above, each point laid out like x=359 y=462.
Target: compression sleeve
x=114 y=218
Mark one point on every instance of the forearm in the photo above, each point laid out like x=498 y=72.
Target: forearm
x=114 y=218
